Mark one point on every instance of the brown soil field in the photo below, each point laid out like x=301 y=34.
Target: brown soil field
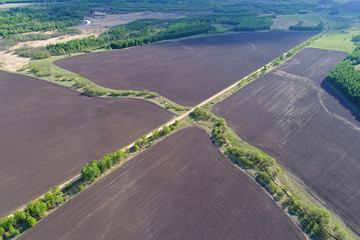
x=49 y=132
x=180 y=188
x=186 y=71
x=292 y=114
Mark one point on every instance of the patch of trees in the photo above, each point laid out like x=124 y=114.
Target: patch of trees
x=301 y=27
x=40 y=18
x=34 y=211
x=345 y=78
x=254 y=24
x=356 y=39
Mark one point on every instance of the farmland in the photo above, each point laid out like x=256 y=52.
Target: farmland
x=186 y=71
x=292 y=114
x=49 y=132
x=181 y=188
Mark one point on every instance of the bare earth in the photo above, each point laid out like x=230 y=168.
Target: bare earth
x=181 y=188
x=49 y=132
x=291 y=114
x=188 y=71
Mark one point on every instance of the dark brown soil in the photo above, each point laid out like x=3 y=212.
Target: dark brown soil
x=290 y=114
x=181 y=188
x=49 y=132
x=187 y=71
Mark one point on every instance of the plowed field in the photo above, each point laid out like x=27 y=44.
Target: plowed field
x=181 y=188
x=187 y=71
x=48 y=132
x=291 y=114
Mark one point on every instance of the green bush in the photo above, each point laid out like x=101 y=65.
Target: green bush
x=30 y=221
x=19 y=216
x=90 y=172
x=165 y=130
x=37 y=208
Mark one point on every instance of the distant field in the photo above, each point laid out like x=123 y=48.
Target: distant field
x=7 y=6
x=186 y=71
x=181 y=188
x=285 y=21
x=49 y=132
x=337 y=41
x=311 y=17
x=291 y=114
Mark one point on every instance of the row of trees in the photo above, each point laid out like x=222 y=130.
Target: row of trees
x=35 y=210
x=301 y=27
x=314 y=220
x=254 y=24
x=93 y=170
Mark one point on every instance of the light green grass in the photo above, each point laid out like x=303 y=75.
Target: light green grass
x=339 y=41
x=311 y=17
x=4 y=7
x=220 y=28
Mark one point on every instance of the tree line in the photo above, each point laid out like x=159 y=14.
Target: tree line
x=21 y=220
x=346 y=78
x=91 y=171
x=34 y=211
x=315 y=221
x=123 y=36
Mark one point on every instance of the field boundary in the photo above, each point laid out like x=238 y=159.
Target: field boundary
x=220 y=95
x=215 y=98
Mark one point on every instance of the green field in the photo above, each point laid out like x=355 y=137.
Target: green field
x=311 y=17
x=339 y=41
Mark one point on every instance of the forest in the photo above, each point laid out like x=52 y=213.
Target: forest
x=345 y=77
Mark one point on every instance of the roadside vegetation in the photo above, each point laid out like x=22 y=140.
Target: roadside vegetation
x=21 y=220
x=345 y=77
x=314 y=220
